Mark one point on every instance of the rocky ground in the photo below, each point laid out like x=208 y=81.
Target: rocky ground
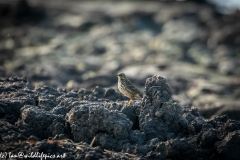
x=58 y=92
x=56 y=121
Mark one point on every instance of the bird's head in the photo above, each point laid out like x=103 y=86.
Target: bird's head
x=121 y=75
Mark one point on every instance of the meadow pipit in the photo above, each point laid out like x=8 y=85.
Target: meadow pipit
x=127 y=88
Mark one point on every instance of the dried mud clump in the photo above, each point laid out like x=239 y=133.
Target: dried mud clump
x=160 y=117
x=87 y=120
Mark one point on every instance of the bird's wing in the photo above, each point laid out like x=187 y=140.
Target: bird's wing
x=133 y=87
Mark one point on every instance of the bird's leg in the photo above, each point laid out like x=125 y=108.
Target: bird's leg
x=130 y=101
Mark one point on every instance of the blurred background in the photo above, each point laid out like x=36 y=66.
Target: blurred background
x=83 y=44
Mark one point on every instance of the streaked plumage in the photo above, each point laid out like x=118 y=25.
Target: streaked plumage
x=127 y=88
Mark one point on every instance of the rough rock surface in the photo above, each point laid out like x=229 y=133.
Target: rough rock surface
x=58 y=121
x=160 y=116
x=86 y=120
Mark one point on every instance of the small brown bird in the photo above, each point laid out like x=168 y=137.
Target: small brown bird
x=127 y=88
